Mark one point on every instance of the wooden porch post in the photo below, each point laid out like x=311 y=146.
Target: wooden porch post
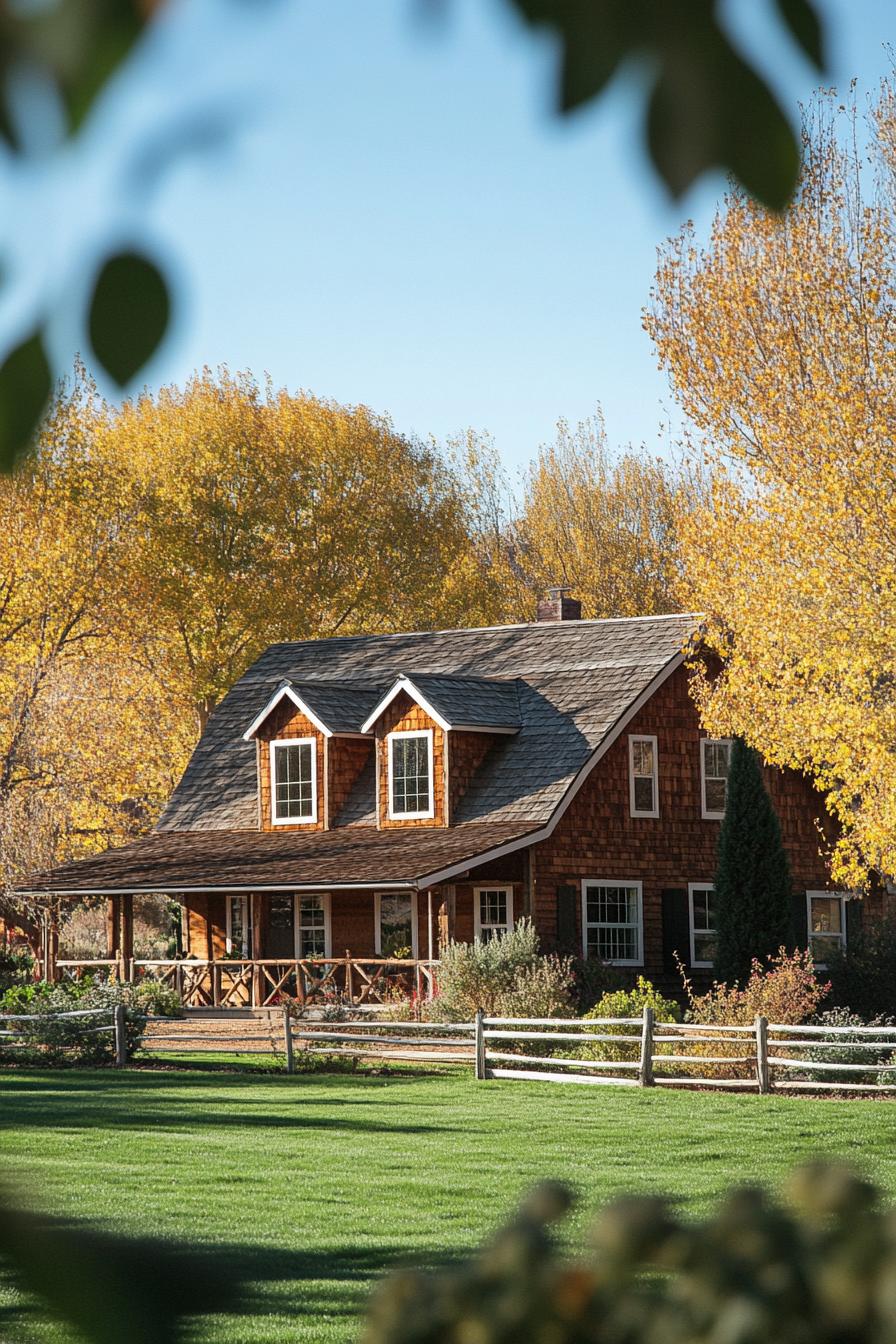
x=127 y=936
x=446 y=918
x=113 y=927
x=257 y=949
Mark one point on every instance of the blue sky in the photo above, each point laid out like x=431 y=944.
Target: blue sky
x=403 y=222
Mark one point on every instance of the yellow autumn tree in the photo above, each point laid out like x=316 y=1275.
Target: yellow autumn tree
x=603 y=523
x=778 y=338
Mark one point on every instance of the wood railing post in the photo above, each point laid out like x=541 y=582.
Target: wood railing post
x=349 y=980
x=179 y=980
x=287 y=1040
x=763 y=1074
x=645 y=1072
x=479 y=1046
x=121 y=1040
x=216 y=984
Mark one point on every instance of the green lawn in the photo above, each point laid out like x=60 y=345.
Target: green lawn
x=310 y=1188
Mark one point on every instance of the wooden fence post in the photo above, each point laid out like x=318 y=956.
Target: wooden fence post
x=479 y=1046
x=645 y=1073
x=121 y=1043
x=763 y=1074
x=287 y=1040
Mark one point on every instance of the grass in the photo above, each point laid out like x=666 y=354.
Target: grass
x=309 y=1188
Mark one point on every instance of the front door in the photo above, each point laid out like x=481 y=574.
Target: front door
x=281 y=928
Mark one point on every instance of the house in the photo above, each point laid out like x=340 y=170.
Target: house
x=365 y=799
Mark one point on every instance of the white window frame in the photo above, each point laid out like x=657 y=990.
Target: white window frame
x=245 y=952
x=635 y=811
x=324 y=897
x=477 y=913
x=614 y=882
x=840 y=937
x=377 y=929
x=411 y=816
x=274 y=746
x=715 y=741
x=692 y=887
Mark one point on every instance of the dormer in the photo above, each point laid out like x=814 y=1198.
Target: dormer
x=432 y=732
x=310 y=751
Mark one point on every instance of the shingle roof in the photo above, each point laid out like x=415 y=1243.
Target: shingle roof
x=173 y=861
x=476 y=702
x=342 y=706
x=572 y=680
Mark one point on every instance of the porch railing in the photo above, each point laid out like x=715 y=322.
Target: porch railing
x=261 y=983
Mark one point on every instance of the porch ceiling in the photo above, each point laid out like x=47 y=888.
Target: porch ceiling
x=172 y=861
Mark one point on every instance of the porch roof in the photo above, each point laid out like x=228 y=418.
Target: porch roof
x=350 y=856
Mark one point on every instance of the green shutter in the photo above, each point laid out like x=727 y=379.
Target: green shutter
x=800 y=920
x=855 y=909
x=566 y=920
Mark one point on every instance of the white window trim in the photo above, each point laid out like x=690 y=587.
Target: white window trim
x=274 y=745
x=411 y=816
x=842 y=897
x=692 y=887
x=324 y=897
x=655 y=810
x=477 y=913
x=704 y=812
x=247 y=908
x=378 y=937
x=614 y=882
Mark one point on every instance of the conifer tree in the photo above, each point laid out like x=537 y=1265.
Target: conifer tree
x=753 y=894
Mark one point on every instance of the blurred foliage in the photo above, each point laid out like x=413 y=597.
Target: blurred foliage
x=820 y=1266
x=707 y=108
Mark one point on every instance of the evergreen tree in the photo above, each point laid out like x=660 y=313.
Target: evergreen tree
x=753 y=894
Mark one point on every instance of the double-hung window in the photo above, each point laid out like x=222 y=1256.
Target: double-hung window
x=293 y=780
x=492 y=912
x=611 y=921
x=701 y=901
x=715 y=758
x=410 y=775
x=827 y=923
x=239 y=927
x=313 y=926
x=643 y=776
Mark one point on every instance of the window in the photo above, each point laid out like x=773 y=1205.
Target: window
x=239 y=927
x=396 y=925
x=827 y=923
x=715 y=756
x=313 y=926
x=642 y=776
x=410 y=774
x=611 y=921
x=701 y=898
x=492 y=911
x=293 y=780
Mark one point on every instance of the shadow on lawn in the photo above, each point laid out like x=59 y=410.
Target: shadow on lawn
x=137 y=1100
x=166 y=1284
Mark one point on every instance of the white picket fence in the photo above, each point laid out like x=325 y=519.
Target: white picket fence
x=685 y=1054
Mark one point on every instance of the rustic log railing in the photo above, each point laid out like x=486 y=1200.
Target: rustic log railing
x=263 y=982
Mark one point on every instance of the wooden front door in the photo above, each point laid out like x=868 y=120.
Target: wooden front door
x=281 y=939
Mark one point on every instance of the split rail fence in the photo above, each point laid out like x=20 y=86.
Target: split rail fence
x=614 y=1052
x=25 y=1031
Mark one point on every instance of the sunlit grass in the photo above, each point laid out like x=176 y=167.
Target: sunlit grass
x=309 y=1188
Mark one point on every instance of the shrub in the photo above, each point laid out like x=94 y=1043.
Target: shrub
x=785 y=990
x=819 y=1265
x=628 y=1003
x=592 y=978
x=505 y=976
x=16 y=968
x=863 y=974
x=52 y=1040
x=860 y=1054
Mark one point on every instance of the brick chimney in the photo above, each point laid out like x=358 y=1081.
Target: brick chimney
x=558 y=606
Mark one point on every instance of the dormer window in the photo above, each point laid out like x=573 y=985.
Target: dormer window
x=410 y=775
x=293 y=781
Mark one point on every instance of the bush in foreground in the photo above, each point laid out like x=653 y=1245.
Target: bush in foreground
x=819 y=1267
x=505 y=976
x=863 y=974
x=628 y=1003
x=52 y=1040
